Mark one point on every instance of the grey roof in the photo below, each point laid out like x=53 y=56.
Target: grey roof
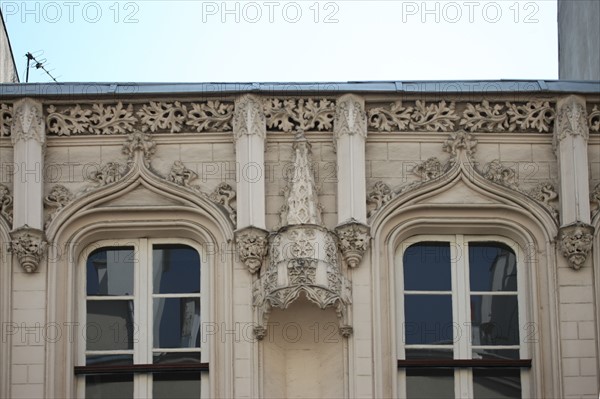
x=293 y=88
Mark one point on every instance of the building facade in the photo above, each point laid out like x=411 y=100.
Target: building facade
x=401 y=239
x=8 y=70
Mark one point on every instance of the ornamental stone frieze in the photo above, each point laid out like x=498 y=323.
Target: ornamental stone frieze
x=252 y=245
x=575 y=243
x=303 y=255
x=6 y=204
x=508 y=117
x=433 y=117
x=305 y=114
x=29 y=246
x=155 y=117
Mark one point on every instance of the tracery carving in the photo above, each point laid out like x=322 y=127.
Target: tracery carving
x=27 y=122
x=533 y=115
x=594 y=119
x=5 y=119
x=434 y=117
x=6 y=203
x=249 y=118
x=572 y=121
x=303 y=114
x=379 y=195
x=99 y=119
x=350 y=117
x=575 y=243
x=498 y=173
x=429 y=170
x=353 y=240
x=142 y=142
x=252 y=244
x=181 y=175
x=460 y=141
x=29 y=246
x=59 y=197
x=224 y=195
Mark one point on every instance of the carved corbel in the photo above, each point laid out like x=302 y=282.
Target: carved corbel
x=575 y=243
x=29 y=245
x=353 y=241
x=252 y=244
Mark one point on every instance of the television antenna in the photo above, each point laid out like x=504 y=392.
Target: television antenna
x=39 y=64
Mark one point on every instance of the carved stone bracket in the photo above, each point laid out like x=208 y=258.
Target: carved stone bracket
x=575 y=243
x=6 y=202
x=29 y=245
x=353 y=241
x=59 y=197
x=252 y=244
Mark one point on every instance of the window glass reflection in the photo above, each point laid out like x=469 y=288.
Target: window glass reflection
x=176 y=322
x=176 y=385
x=176 y=269
x=109 y=325
x=428 y=319
x=109 y=386
x=492 y=383
x=427 y=266
x=429 y=383
x=110 y=271
x=494 y=320
x=492 y=267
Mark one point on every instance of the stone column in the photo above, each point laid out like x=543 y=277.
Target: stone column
x=249 y=131
x=350 y=131
x=28 y=133
x=571 y=135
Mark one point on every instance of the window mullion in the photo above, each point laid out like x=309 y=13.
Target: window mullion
x=143 y=333
x=461 y=301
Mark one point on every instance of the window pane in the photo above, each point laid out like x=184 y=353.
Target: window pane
x=176 y=385
x=109 y=386
x=109 y=325
x=412 y=354
x=176 y=322
x=492 y=267
x=495 y=383
x=427 y=267
x=429 y=383
x=495 y=319
x=428 y=319
x=108 y=360
x=176 y=269
x=110 y=271
x=175 y=357
x=501 y=354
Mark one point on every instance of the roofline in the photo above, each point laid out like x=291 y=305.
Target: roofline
x=12 y=55
x=92 y=89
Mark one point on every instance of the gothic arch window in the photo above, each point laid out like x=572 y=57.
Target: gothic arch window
x=461 y=317
x=142 y=303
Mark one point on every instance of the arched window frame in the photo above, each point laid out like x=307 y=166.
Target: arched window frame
x=460 y=305
x=143 y=341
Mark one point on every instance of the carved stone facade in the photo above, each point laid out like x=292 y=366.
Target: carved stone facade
x=300 y=205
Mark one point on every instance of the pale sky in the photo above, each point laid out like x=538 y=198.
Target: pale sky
x=268 y=41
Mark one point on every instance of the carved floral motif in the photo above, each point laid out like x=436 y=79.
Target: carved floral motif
x=303 y=114
x=575 y=243
x=434 y=117
x=546 y=194
x=460 y=141
x=5 y=119
x=6 y=201
x=594 y=119
x=533 y=115
x=353 y=240
x=110 y=173
x=139 y=141
x=97 y=119
x=59 y=197
x=210 y=116
x=428 y=170
x=500 y=174
x=28 y=245
x=224 y=195
x=379 y=195
x=252 y=244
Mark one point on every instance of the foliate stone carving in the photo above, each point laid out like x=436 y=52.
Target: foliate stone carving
x=210 y=116
x=379 y=195
x=59 y=197
x=460 y=141
x=500 y=174
x=301 y=203
x=594 y=119
x=27 y=122
x=110 y=173
x=249 y=118
x=28 y=245
x=434 y=117
x=353 y=241
x=304 y=114
x=139 y=141
x=575 y=243
x=5 y=119
x=163 y=115
x=533 y=115
x=6 y=201
x=572 y=121
x=224 y=195
x=99 y=119
x=546 y=194
x=429 y=170
x=595 y=198
x=350 y=117
x=252 y=244
x=181 y=175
